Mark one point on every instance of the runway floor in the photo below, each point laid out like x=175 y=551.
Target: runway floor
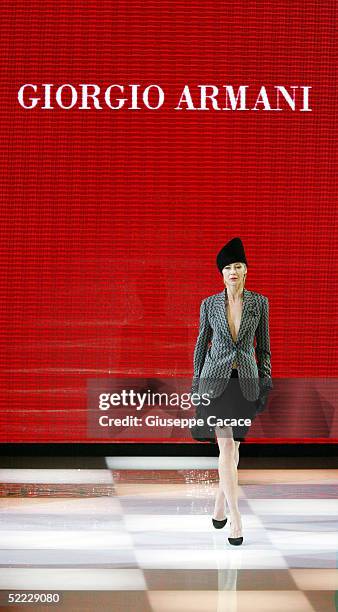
x=142 y=539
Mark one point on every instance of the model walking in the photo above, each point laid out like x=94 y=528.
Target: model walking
x=226 y=369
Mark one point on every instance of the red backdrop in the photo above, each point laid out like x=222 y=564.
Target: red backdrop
x=112 y=219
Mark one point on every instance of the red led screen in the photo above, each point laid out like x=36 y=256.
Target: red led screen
x=111 y=219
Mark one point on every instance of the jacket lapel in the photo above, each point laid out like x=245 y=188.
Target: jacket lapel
x=249 y=310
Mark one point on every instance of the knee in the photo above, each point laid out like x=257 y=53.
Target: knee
x=228 y=448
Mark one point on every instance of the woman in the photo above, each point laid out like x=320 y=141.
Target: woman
x=225 y=369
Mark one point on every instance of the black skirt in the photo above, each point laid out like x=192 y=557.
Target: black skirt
x=232 y=404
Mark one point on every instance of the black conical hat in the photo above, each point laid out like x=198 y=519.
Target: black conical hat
x=231 y=252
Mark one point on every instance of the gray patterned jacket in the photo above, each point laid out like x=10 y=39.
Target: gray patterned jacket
x=213 y=363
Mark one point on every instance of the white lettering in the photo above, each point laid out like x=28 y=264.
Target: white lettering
x=230 y=95
x=186 y=99
x=86 y=95
x=34 y=101
x=262 y=98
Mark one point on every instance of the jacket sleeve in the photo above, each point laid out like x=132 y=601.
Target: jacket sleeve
x=263 y=350
x=201 y=347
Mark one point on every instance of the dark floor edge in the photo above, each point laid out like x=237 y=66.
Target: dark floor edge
x=165 y=450
x=92 y=456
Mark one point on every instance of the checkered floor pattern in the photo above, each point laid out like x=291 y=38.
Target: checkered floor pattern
x=142 y=539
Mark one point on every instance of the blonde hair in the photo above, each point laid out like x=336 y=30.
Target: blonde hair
x=245 y=273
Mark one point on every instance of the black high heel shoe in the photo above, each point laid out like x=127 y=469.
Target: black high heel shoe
x=235 y=541
x=219 y=524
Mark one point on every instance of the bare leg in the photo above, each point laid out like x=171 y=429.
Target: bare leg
x=228 y=476
x=237 y=452
x=220 y=501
